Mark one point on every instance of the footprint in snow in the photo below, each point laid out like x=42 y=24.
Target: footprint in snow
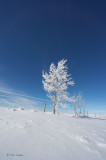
x=19 y=126
x=52 y=137
x=102 y=145
x=82 y=138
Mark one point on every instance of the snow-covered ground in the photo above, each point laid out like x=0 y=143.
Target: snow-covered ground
x=29 y=135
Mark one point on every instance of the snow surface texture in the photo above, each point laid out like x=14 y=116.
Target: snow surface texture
x=29 y=135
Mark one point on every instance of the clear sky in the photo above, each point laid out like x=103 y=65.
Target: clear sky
x=35 y=33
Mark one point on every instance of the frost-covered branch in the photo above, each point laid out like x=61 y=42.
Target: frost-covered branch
x=56 y=82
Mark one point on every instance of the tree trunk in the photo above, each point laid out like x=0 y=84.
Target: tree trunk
x=75 y=109
x=45 y=106
x=54 y=102
x=80 y=110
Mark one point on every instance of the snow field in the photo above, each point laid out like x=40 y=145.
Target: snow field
x=29 y=135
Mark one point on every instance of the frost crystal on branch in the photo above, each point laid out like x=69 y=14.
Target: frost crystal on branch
x=56 y=82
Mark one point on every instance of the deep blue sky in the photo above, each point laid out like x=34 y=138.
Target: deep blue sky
x=34 y=34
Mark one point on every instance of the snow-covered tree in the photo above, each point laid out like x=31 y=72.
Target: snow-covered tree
x=75 y=107
x=78 y=104
x=56 y=83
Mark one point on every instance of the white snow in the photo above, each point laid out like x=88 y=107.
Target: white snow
x=29 y=135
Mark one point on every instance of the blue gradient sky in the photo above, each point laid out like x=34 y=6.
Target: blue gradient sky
x=34 y=34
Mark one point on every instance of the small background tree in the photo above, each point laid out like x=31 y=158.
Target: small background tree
x=78 y=104
x=56 y=83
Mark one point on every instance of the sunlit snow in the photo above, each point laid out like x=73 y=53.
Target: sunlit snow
x=30 y=135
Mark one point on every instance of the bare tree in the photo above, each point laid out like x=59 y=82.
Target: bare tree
x=78 y=104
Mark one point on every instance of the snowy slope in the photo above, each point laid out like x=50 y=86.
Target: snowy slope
x=29 y=135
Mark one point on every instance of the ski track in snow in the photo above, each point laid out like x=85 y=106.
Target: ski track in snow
x=29 y=135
